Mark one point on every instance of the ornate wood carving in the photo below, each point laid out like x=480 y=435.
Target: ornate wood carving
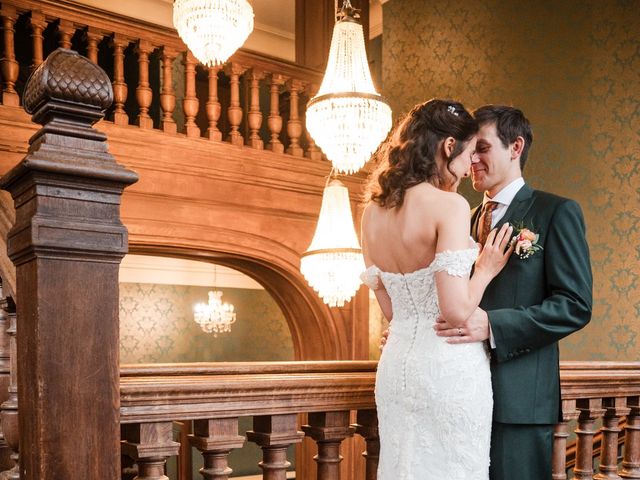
x=294 y=125
x=215 y=438
x=274 y=434
x=254 y=117
x=149 y=444
x=234 y=70
x=94 y=37
x=560 y=435
x=168 y=95
x=590 y=410
x=328 y=429
x=8 y=64
x=66 y=29
x=274 y=122
x=213 y=106
x=190 y=101
x=144 y=94
x=9 y=407
x=119 y=43
x=631 y=459
x=38 y=24
x=56 y=253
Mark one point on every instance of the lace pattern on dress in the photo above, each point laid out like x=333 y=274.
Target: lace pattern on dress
x=457 y=263
x=371 y=277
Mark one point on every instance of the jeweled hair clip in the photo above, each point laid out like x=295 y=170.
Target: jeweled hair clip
x=452 y=109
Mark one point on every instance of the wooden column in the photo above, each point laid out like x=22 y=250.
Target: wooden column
x=560 y=435
x=168 y=94
x=9 y=395
x=631 y=459
x=8 y=64
x=615 y=408
x=254 y=117
x=94 y=37
x=215 y=439
x=367 y=427
x=274 y=122
x=67 y=244
x=149 y=444
x=590 y=410
x=120 y=89
x=213 y=106
x=234 y=70
x=38 y=24
x=274 y=434
x=66 y=29
x=294 y=125
x=190 y=101
x=328 y=430
x=144 y=94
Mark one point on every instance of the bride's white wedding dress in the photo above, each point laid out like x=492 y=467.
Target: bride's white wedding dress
x=434 y=399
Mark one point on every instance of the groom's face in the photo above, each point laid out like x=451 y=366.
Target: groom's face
x=491 y=163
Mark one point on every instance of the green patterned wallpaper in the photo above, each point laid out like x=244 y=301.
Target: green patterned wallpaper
x=574 y=69
x=157 y=326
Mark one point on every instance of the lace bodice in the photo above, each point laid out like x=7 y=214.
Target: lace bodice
x=434 y=399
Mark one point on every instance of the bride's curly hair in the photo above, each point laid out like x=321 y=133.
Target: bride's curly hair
x=408 y=156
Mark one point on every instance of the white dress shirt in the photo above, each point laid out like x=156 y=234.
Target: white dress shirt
x=503 y=198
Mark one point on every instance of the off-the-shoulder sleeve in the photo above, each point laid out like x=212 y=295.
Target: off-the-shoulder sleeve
x=457 y=263
x=371 y=277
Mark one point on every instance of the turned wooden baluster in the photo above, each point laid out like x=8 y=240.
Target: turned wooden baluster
x=149 y=444
x=615 y=408
x=213 y=105
x=631 y=458
x=294 y=125
x=367 y=427
x=274 y=122
x=328 y=430
x=590 y=410
x=66 y=29
x=9 y=409
x=254 y=117
x=144 y=94
x=94 y=37
x=38 y=24
x=190 y=101
x=215 y=439
x=234 y=70
x=168 y=95
x=274 y=433
x=8 y=63
x=120 y=89
x=560 y=435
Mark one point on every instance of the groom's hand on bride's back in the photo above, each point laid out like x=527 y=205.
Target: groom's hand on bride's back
x=384 y=338
x=475 y=329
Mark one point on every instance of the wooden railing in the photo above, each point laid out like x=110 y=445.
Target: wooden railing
x=157 y=83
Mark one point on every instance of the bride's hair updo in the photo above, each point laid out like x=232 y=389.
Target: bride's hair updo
x=408 y=156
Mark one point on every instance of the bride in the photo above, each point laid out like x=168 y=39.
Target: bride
x=434 y=399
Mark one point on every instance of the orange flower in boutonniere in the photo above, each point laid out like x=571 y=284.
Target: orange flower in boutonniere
x=526 y=243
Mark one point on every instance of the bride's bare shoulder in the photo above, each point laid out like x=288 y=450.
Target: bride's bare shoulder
x=447 y=200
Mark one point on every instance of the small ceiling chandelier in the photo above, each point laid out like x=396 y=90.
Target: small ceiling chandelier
x=214 y=316
x=333 y=262
x=347 y=118
x=213 y=29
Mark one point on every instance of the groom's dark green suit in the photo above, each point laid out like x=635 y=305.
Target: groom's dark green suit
x=531 y=304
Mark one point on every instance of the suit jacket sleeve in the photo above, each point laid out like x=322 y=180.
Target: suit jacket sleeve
x=568 y=291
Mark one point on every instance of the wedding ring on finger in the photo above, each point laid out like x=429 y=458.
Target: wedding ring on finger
x=460 y=331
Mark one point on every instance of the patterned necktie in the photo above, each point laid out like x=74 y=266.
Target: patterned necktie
x=484 y=222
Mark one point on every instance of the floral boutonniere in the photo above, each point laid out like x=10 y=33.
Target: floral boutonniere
x=526 y=242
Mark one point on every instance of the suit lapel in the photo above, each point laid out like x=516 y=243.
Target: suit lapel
x=519 y=207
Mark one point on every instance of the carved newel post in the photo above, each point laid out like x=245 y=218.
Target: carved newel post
x=67 y=244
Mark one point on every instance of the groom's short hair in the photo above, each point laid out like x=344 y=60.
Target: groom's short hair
x=510 y=124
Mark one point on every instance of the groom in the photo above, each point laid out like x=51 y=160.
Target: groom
x=535 y=301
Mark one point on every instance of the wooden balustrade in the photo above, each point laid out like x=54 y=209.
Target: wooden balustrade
x=245 y=74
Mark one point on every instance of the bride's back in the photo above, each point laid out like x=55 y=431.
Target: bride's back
x=403 y=239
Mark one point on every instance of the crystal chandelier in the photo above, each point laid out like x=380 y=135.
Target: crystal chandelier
x=333 y=262
x=215 y=316
x=347 y=118
x=213 y=29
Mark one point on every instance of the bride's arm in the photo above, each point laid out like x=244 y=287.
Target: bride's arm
x=459 y=296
